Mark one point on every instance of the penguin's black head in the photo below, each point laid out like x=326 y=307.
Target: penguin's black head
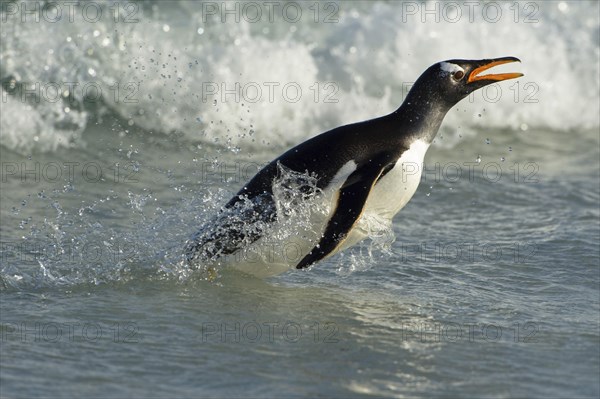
x=451 y=81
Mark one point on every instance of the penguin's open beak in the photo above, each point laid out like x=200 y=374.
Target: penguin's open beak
x=487 y=64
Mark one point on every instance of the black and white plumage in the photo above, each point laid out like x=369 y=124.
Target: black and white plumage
x=341 y=177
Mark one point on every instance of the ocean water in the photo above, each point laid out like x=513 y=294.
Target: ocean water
x=125 y=125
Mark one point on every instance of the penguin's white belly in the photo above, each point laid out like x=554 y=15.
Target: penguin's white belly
x=397 y=187
x=391 y=193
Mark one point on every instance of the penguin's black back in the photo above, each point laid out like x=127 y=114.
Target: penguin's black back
x=324 y=155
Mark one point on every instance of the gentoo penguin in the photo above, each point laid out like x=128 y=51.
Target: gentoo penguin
x=324 y=195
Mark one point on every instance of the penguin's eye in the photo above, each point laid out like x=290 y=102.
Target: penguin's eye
x=458 y=75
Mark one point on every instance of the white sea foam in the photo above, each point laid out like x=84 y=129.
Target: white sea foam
x=160 y=72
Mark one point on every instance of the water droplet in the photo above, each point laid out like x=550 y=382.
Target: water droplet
x=166 y=28
x=509 y=148
x=478 y=158
x=487 y=141
x=428 y=194
x=200 y=31
x=502 y=159
x=214 y=102
x=563 y=6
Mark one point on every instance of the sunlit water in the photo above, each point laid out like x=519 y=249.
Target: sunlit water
x=491 y=287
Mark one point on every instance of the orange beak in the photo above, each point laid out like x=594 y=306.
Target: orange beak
x=474 y=76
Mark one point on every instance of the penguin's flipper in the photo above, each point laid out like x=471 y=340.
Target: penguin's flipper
x=350 y=204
